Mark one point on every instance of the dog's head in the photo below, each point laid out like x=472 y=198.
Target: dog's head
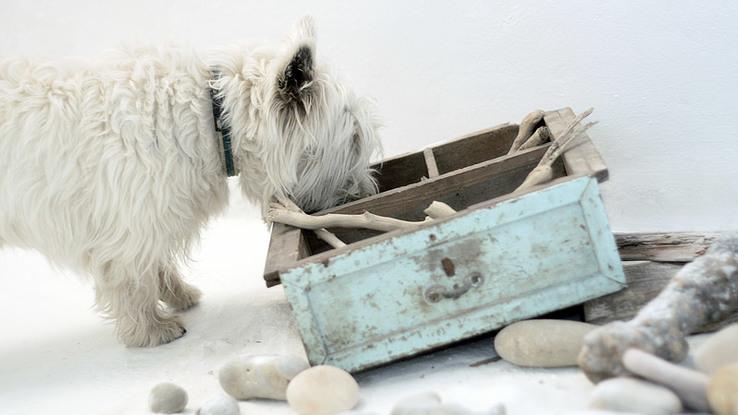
x=318 y=136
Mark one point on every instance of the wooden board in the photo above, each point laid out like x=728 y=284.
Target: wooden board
x=477 y=147
x=664 y=247
x=645 y=281
x=287 y=245
x=513 y=258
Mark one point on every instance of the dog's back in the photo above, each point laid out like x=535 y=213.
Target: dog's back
x=93 y=156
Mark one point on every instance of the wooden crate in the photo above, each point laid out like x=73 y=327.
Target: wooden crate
x=501 y=258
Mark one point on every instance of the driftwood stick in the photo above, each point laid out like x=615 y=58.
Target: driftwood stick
x=543 y=172
x=365 y=220
x=541 y=135
x=329 y=237
x=438 y=210
x=527 y=126
x=705 y=290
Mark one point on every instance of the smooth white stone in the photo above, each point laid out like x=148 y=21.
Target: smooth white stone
x=722 y=391
x=631 y=395
x=542 y=343
x=220 y=405
x=323 y=390
x=720 y=349
x=260 y=376
x=167 y=398
x=690 y=385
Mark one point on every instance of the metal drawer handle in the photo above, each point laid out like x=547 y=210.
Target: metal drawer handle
x=437 y=292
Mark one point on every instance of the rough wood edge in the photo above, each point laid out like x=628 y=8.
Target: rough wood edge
x=287 y=245
x=664 y=246
x=582 y=157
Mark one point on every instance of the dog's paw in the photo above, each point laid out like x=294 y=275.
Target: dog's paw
x=161 y=332
x=185 y=297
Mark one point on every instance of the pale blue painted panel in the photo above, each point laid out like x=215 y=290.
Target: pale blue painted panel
x=526 y=256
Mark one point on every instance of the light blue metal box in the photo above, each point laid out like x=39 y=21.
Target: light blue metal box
x=499 y=259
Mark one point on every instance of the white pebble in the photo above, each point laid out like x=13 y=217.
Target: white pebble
x=220 y=405
x=720 y=349
x=260 y=376
x=542 y=343
x=323 y=390
x=631 y=395
x=167 y=398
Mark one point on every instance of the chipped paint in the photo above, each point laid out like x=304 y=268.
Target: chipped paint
x=455 y=279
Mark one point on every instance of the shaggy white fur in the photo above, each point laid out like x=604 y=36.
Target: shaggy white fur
x=112 y=168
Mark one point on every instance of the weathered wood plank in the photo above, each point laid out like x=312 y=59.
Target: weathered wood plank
x=430 y=163
x=645 y=281
x=500 y=176
x=400 y=171
x=581 y=157
x=477 y=147
x=464 y=151
x=664 y=247
x=286 y=246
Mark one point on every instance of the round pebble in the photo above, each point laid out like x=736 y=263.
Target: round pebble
x=323 y=390
x=637 y=396
x=720 y=349
x=260 y=376
x=722 y=390
x=542 y=343
x=167 y=398
x=220 y=405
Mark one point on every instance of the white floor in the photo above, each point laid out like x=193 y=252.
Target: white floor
x=58 y=357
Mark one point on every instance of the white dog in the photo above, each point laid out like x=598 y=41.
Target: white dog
x=113 y=168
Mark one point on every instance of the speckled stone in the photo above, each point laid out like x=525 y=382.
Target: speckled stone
x=722 y=390
x=323 y=390
x=220 y=405
x=260 y=376
x=637 y=396
x=167 y=398
x=542 y=343
x=720 y=349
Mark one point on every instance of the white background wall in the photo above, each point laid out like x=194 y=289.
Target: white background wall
x=662 y=75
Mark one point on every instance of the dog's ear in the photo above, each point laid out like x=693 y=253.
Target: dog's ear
x=295 y=78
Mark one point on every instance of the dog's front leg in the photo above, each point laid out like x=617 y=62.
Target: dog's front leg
x=174 y=291
x=134 y=305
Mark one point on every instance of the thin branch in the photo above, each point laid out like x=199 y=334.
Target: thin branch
x=543 y=172
x=330 y=238
x=365 y=220
x=324 y=234
x=527 y=126
x=541 y=135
